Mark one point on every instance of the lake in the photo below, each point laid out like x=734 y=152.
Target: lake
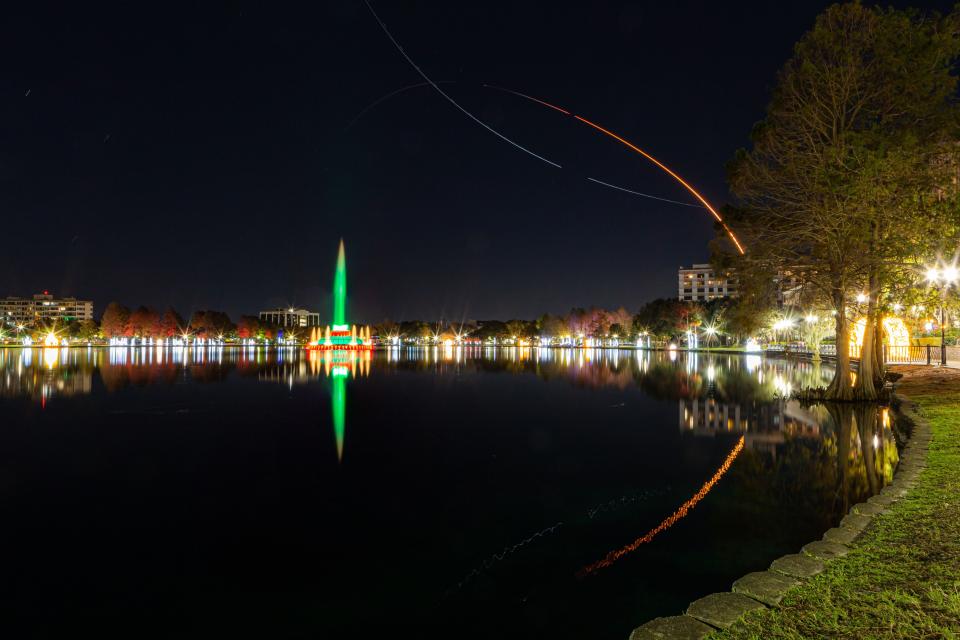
x=440 y=492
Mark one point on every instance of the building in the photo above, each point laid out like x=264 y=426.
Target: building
x=43 y=308
x=700 y=283
x=291 y=317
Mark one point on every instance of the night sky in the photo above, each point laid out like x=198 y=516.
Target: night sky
x=203 y=158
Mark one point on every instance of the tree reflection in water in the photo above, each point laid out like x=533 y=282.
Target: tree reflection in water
x=839 y=453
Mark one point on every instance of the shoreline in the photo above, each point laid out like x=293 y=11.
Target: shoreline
x=805 y=594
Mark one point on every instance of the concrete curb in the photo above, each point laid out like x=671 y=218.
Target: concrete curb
x=763 y=589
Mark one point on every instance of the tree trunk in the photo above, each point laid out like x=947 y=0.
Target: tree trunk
x=840 y=388
x=864 y=387
x=866 y=415
x=879 y=364
x=843 y=419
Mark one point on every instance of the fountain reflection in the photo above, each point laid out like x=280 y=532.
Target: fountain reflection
x=715 y=394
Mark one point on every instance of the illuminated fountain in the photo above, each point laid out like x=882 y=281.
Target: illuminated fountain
x=341 y=336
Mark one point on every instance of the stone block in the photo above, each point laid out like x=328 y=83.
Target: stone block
x=722 y=609
x=841 y=535
x=884 y=500
x=672 y=628
x=766 y=586
x=797 y=565
x=856 y=521
x=867 y=509
x=825 y=550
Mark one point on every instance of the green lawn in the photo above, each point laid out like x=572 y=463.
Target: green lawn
x=902 y=576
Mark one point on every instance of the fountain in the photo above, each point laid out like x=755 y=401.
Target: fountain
x=340 y=336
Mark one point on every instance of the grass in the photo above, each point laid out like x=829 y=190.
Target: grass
x=901 y=578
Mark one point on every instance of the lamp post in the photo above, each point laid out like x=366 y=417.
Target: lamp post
x=943 y=277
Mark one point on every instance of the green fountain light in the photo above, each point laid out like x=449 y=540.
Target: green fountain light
x=340 y=289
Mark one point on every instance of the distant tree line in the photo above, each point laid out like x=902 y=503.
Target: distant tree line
x=118 y=321
x=663 y=319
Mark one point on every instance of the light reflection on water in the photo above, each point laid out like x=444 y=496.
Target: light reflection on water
x=799 y=471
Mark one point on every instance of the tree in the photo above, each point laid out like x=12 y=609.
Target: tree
x=171 y=324
x=841 y=171
x=550 y=326
x=492 y=330
x=143 y=323
x=386 y=329
x=87 y=330
x=622 y=319
x=518 y=329
x=113 y=323
x=248 y=327
x=211 y=324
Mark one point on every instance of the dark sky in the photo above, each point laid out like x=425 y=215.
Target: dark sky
x=202 y=158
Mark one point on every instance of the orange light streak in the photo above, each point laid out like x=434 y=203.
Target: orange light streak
x=646 y=155
x=673 y=174
x=680 y=513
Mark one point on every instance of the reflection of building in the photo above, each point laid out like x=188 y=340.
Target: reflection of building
x=41 y=374
x=701 y=282
x=43 y=308
x=291 y=317
x=765 y=425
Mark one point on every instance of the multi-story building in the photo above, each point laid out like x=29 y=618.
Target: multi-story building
x=291 y=317
x=43 y=308
x=700 y=282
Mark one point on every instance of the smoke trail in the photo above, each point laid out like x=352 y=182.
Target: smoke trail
x=622 y=501
x=445 y=95
x=386 y=97
x=645 y=195
x=499 y=557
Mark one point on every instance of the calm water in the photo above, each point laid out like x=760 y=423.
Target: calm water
x=216 y=493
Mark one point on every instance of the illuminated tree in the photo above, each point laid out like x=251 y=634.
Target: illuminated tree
x=143 y=323
x=171 y=324
x=113 y=323
x=840 y=181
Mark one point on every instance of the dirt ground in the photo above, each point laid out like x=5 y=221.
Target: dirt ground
x=920 y=379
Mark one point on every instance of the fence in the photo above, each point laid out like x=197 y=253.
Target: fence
x=913 y=354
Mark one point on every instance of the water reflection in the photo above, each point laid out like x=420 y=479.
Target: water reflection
x=715 y=393
x=508 y=469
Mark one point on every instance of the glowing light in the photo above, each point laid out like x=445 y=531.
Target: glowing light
x=677 y=515
x=861 y=297
x=811 y=319
x=340 y=288
x=627 y=143
x=933 y=274
x=338 y=403
x=781 y=325
x=949 y=274
x=895 y=332
x=51 y=340
x=50 y=357
x=752 y=346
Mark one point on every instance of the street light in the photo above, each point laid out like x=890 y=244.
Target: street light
x=943 y=278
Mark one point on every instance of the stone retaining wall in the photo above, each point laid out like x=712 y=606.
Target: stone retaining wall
x=766 y=588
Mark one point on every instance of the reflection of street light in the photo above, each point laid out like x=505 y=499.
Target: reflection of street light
x=943 y=278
